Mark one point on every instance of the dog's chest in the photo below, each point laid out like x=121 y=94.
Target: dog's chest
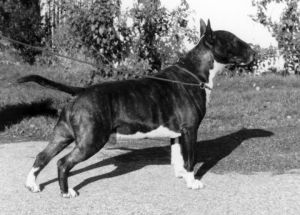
x=160 y=132
x=212 y=74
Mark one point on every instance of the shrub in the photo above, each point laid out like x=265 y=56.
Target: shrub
x=21 y=21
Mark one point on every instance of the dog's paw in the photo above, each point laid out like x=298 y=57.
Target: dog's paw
x=191 y=182
x=195 y=184
x=71 y=194
x=33 y=188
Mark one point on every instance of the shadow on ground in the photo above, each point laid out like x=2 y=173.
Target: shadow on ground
x=209 y=153
x=13 y=114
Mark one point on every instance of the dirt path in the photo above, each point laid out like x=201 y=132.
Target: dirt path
x=113 y=183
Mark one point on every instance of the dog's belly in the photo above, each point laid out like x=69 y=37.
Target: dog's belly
x=160 y=132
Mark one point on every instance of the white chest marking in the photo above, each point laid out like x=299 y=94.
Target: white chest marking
x=159 y=132
x=212 y=73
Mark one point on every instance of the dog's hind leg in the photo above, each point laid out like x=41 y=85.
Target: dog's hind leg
x=61 y=139
x=88 y=144
x=187 y=142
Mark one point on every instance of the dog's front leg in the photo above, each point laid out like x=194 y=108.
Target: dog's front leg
x=177 y=158
x=187 y=141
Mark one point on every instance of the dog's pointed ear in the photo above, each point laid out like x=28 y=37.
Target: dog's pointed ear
x=202 y=27
x=209 y=31
x=209 y=34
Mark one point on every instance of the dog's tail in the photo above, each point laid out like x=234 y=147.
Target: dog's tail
x=51 y=84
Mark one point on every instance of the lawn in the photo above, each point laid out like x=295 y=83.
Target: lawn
x=255 y=120
x=28 y=111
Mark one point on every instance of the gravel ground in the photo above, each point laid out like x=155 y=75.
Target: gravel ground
x=113 y=182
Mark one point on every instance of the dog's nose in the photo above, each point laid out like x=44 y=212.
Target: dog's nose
x=252 y=52
x=253 y=55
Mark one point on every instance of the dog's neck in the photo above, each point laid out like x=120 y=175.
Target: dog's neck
x=199 y=61
x=202 y=63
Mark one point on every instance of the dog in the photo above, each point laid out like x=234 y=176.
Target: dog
x=142 y=108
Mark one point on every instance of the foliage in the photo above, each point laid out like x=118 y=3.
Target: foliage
x=94 y=26
x=268 y=60
x=172 y=45
x=161 y=34
x=149 y=23
x=137 y=41
x=21 y=20
x=141 y=40
x=286 y=32
x=265 y=53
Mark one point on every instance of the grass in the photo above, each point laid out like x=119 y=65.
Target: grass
x=236 y=102
x=270 y=115
x=28 y=110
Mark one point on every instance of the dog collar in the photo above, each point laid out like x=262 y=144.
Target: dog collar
x=202 y=84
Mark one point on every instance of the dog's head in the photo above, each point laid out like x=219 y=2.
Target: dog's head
x=225 y=46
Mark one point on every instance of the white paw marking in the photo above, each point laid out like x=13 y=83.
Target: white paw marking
x=71 y=194
x=191 y=182
x=30 y=183
x=33 y=188
x=180 y=171
x=196 y=185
